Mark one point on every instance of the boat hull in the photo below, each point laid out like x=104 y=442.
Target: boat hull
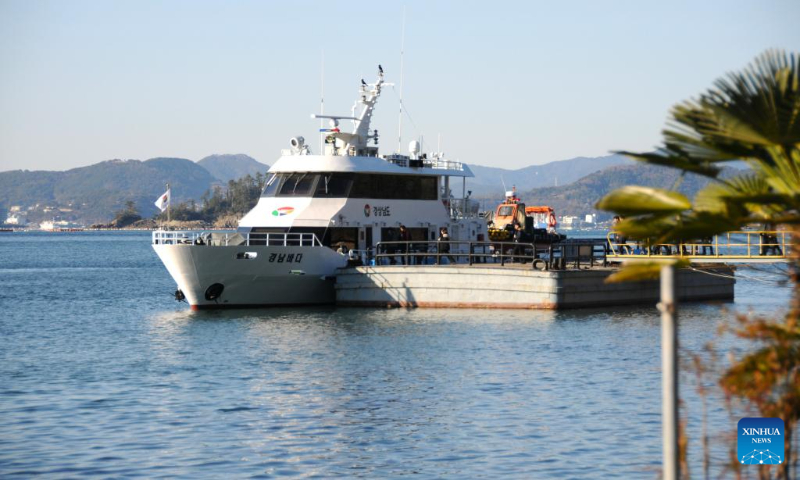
x=254 y=276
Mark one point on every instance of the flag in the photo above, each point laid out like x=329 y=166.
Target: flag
x=163 y=201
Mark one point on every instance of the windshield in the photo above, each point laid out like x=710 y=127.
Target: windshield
x=271 y=187
x=505 y=211
x=334 y=185
x=297 y=185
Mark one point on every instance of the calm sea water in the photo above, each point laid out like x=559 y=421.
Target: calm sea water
x=102 y=373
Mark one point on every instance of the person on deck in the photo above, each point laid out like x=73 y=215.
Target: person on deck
x=619 y=242
x=405 y=236
x=518 y=250
x=444 y=244
x=769 y=241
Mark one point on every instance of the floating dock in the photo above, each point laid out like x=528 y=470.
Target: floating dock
x=516 y=286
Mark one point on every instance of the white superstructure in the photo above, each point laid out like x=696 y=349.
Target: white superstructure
x=319 y=211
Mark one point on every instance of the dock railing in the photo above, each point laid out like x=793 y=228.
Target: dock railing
x=736 y=245
x=227 y=239
x=541 y=256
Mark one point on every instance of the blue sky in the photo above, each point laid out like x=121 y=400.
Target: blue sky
x=506 y=84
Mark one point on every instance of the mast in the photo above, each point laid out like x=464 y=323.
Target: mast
x=322 y=99
x=358 y=139
x=402 y=50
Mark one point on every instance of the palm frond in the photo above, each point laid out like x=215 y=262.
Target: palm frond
x=765 y=96
x=739 y=196
x=636 y=200
x=782 y=173
x=675 y=228
x=744 y=115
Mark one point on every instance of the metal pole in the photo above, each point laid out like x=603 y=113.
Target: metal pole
x=669 y=369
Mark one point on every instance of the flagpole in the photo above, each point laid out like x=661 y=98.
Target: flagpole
x=169 y=202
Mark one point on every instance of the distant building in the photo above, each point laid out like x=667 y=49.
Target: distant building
x=569 y=221
x=590 y=218
x=17 y=219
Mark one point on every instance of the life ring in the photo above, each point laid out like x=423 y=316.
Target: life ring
x=551 y=220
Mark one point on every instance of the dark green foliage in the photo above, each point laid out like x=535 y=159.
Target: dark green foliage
x=126 y=217
x=95 y=191
x=237 y=199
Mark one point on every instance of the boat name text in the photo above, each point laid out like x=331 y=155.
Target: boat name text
x=381 y=211
x=285 y=257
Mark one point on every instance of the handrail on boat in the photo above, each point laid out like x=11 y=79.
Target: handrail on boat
x=226 y=239
x=541 y=256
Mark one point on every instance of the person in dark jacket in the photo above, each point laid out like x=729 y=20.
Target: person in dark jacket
x=444 y=244
x=404 y=236
x=768 y=244
x=518 y=237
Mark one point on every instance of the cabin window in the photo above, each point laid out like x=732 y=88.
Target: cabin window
x=394 y=187
x=428 y=188
x=271 y=187
x=297 y=185
x=344 y=185
x=334 y=185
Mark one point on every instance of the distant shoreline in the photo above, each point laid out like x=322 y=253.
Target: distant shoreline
x=123 y=229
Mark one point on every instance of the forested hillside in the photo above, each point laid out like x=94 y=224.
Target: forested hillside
x=488 y=181
x=232 y=167
x=579 y=198
x=94 y=193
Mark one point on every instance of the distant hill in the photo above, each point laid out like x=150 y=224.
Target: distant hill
x=94 y=193
x=488 y=181
x=232 y=167
x=579 y=198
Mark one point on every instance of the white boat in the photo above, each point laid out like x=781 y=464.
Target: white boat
x=47 y=226
x=318 y=213
x=59 y=226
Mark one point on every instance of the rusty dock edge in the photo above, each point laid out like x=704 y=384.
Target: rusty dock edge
x=516 y=287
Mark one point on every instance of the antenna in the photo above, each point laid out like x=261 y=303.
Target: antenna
x=321 y=98
x=504 y=185
x=439 y=143
x=400 y=118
